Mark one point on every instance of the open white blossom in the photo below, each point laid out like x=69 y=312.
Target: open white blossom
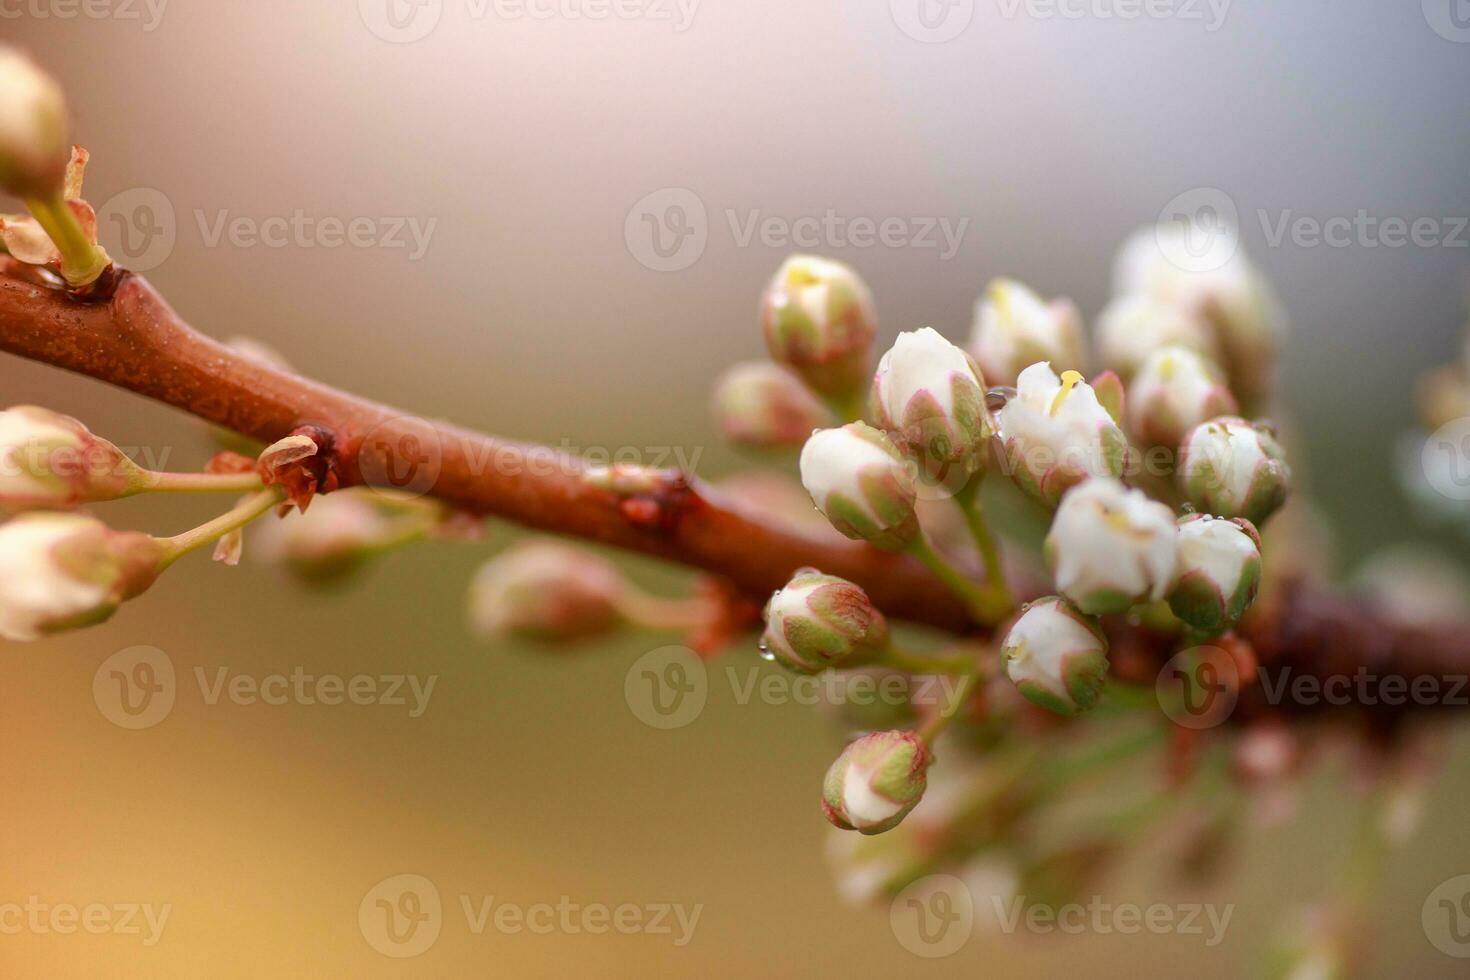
x=1015 y=328
x=1057 y=656
x=930 y=398
x=1231 y=468
x=1057 y=433
x=1110 y=547
x=1174 y=391
x=1219 y=572
x=860 y=482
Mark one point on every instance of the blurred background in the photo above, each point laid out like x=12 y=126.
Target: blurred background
x=534 y=148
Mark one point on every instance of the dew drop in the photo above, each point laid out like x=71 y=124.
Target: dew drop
x=766 y=653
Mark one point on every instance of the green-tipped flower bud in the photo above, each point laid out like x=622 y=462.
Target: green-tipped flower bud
x=1219 y=572
x=50 y=461
x=816 y=622
x=1015 y=328
x=64 y=571
x=1057 y=434
x=765 y=406
x=818 y=320
x=34 y=141
x=876 y=781
x=1057 y=656
x=544 y=590
x=1174 y=391
x=930 y=398
x=860 y=482
x=1110 y=547
x=1231 y=468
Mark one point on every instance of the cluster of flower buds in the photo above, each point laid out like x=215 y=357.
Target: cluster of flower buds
x=1110 y=547
x=63 y=571
x=34 y=137
x=818 y=320
x=52 y=461
x=930 y=398
x=1231 y=468
x=1057 y=656
x=817 y=622
x=876 y=781
x=1015 y=328
x=765 y=406
x=859 y=480
x=1057 y=433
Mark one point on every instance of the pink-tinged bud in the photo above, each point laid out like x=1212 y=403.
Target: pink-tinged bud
x=1057 y=656
x=1174 y=391
x=545 y=590
x=1015 y=328
x=765 y=406
x=1219 y=572
x=930 y=398
x=816 y=622
x=1134 y=325
x=860 y=482
x=818 y=320
x=1110 y=547
x=34 y=142
x=1056 y=434
x=876 y=781
x=50 y=461
x=65 y=571
x=330 y=540
x=1231 y=468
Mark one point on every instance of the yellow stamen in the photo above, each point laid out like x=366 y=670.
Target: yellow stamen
x=1070 y=380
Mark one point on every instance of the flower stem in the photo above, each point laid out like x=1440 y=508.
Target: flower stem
x=978 y=600
x=968 y=501
x=243 y=513
x=154 y=482
x=82 y=261
x=931 y=728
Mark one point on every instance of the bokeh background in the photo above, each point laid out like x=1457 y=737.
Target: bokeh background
x=527 y=141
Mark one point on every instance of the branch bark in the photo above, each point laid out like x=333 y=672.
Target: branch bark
x=131 y=338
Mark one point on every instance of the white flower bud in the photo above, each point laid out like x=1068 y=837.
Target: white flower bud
x=859 y=481
x=1015 y=328
x=330 y=539
x=34 y=143
x=545 y=590
x=1231 y=468
x=1174 y=391
x=53 y=462
x=1110 y=547
x=1134 y=325
x=63 y=571
x=818 y=320
x=816 y=622
x=930 y=398
x=1056 y=434
x=765 y=406
x=1236 y=299
x=1219 y=572
x=1057 y=656
x=876 y=781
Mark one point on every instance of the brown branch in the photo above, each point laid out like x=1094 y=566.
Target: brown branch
x=134 y=340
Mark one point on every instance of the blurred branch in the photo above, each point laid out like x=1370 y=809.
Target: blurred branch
x=131 y=338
